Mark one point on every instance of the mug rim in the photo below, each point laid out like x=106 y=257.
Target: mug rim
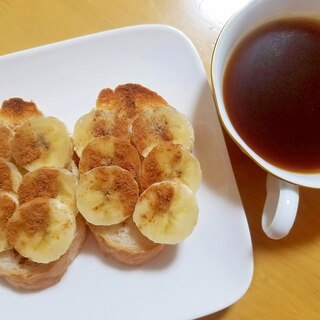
x=297 y=177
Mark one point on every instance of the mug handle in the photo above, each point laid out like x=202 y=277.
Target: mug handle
x=280 y=208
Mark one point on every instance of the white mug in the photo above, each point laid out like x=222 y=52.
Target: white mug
x=282 y=199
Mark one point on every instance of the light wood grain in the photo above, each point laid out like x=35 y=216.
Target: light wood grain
x=286 y=283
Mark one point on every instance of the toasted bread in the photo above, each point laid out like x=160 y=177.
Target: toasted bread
x=125 y=243
x=129 y=100
x=25 y=274
x=15 y=111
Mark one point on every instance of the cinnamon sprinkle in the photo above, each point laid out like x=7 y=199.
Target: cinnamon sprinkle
x=6 y=136
x=121 y=182
x=25 y=147
x=5 y=176
x=163 y=197
x=34 y=217
x=41 y=183
x=7 y=208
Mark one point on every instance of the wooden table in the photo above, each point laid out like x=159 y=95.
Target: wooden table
x=286 y=282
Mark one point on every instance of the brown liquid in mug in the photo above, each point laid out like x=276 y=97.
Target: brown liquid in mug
x=271 y=90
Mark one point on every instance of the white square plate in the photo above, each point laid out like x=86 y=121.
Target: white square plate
x=213 y=267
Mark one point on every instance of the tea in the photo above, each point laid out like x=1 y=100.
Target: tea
x=271 y=89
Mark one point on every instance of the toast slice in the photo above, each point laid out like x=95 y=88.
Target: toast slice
x=129 y=100
x=125 y=243
x=15 y=111
x=25 y=274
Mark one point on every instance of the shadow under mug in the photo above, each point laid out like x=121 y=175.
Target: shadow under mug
x=282 y=199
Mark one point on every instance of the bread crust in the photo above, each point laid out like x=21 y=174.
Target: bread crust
x=129 y=100
x=125 y=243
x=15 y=111
x=24 y=274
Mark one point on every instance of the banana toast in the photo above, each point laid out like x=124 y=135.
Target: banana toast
x=41 y=231
x=23 y=273
x=134 y=228
x=128 y=170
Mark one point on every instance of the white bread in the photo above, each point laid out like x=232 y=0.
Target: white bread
x=25 y=274
x=125 y=243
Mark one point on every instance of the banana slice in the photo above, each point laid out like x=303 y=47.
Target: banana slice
x=8 y=205
x=6 y=136
x=169 y=161
x=153 y=127
x=42 y=142
x=98 y=123
x=15 y=111
x=41 y=229
x=129 y=100
x=166 y=212
x=107 y=195
x=10 y=177
x=51 y=183
x=106 y=151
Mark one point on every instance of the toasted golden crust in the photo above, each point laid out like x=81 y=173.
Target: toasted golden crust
x=125 y=243
x=25 y=274
x=107 y=151
x=129 y=100
x=15 y=111
x=6 y=136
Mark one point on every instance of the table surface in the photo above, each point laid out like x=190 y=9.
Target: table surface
x=286 y=281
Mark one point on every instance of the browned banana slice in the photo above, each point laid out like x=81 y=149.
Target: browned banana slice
x=107 y=195
x=98 y=123
x=42 y=229
x=51 y=183
x=166 y=212
x=106 y=151
x=169 y=161
x=42 y=142
x=153 y=127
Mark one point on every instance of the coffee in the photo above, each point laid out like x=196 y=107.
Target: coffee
x=271 y=89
